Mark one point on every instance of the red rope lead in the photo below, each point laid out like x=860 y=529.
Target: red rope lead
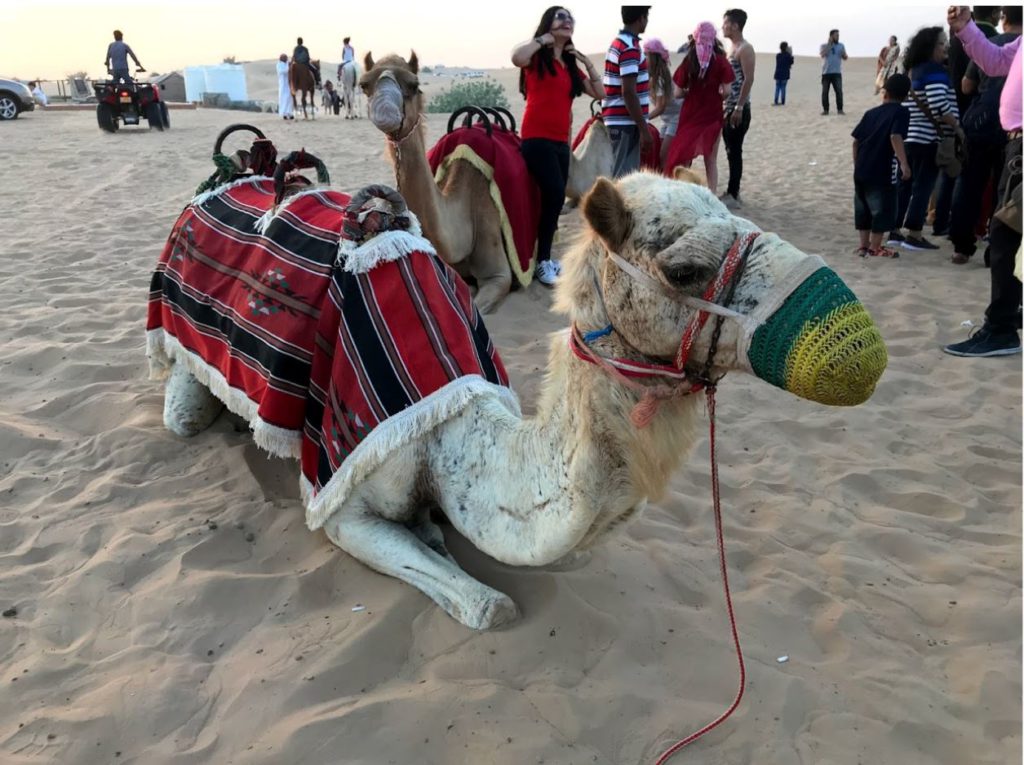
x=728 y=598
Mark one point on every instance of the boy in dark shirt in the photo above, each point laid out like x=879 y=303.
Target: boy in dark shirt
x=877 y=145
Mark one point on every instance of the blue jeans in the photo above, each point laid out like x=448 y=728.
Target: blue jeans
x=625 y=149
x=780 y=91
x=915 y=193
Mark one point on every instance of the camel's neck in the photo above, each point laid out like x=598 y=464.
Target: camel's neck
x=586 y=415
x=416 y=183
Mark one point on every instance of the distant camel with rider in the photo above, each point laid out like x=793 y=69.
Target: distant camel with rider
x=304 y=77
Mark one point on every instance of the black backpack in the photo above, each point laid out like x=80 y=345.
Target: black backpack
x=981 y=120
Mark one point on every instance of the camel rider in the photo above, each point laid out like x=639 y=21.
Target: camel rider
x=348 y=56
x=301 y=56
x=116 y=61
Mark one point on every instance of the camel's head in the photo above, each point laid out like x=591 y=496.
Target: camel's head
x=392 y=86
x=657 y=247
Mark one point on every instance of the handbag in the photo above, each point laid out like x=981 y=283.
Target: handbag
x=950 y=154
x=1009 y=212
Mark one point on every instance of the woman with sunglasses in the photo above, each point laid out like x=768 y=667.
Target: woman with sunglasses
x=550 y=78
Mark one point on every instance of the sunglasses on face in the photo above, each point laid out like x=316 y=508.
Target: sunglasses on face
x=564 y=16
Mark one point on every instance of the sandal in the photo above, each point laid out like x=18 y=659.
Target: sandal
x=862 y=251
x=883 y=252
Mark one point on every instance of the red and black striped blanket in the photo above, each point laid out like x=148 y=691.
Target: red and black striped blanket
x=316 y=341
x=513 y=190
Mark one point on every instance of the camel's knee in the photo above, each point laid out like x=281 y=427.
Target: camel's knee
x=492 y=290
x=189 y=407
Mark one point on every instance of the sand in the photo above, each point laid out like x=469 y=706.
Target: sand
x=173 y=608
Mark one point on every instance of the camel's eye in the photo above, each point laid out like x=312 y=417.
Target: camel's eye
x=685 y=274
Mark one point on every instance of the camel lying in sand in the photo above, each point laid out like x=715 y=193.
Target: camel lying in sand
x=615 y=417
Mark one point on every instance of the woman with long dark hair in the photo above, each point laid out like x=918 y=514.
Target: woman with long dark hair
x=704 y=77
x=664 y=104
x=929 y=89
x=550 y=78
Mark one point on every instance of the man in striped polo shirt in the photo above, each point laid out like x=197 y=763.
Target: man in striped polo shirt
x=624 y=109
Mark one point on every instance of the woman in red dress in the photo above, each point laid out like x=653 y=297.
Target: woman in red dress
x=704 y=78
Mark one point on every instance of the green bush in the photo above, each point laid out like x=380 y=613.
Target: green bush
x=477 y=93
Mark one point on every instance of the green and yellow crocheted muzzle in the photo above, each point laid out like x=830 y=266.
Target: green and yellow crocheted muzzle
x=821 y=344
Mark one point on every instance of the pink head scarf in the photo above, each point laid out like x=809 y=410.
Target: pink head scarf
x=704 y=41
x=654 y=46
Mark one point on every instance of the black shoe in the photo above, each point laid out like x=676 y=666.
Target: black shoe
x=824 y=114
x=985 y=343
x=840 y=112
x=918 y=243
x=940 y=231
x=895 y=239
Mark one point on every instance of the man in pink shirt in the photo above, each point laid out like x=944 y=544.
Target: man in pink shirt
x=998 y=336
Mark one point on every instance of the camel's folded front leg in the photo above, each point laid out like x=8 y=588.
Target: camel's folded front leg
x=189 y=407
x=489 y=266
x=394 y=549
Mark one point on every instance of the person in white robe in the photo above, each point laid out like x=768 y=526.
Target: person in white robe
x=285 y=105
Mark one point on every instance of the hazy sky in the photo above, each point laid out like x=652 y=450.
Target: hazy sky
x=51 y=39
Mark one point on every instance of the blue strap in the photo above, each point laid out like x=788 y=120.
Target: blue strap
x=589 y=337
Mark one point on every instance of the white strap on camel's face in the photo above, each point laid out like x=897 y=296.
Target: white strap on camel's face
x=748 y=323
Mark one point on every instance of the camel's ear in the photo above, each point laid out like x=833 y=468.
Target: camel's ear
x=681 y=173
x=605 y=211
x=368 y=61
x=414 y=63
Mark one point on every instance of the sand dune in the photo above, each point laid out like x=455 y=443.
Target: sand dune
x=172 y=607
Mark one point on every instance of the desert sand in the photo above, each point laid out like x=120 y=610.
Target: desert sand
x=171 y=606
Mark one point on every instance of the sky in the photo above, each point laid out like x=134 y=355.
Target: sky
x=55 y=39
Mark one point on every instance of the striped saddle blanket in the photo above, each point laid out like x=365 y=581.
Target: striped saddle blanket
x=318 y=341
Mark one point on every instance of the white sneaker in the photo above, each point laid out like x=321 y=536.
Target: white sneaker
x=547 y=272
x=558 y=266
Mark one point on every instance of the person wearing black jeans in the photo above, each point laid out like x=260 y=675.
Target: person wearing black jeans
x=984 y=163
x=835 y=81
x=998 y=336
x=1003 y=311
x=833 y=54
x=548 y=163
x=733 y=139
x=915 y=193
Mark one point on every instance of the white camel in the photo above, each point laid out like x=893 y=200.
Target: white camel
x=532 y=491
